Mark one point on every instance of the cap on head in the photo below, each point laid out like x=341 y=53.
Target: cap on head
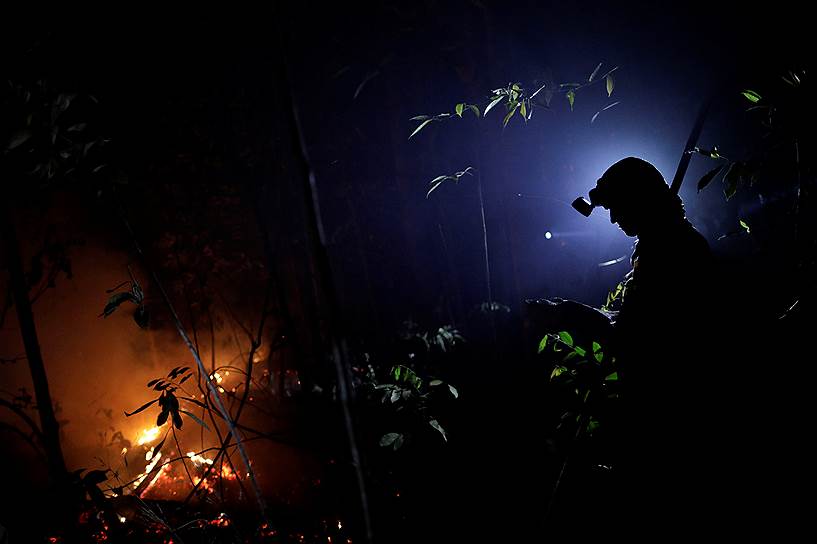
x=628 y=181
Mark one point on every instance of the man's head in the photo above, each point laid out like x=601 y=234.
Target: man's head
x=637 y=196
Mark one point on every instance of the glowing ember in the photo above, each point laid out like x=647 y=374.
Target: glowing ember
x=198 y=460
x=124 y=451
x=148 y=436
x=340 y=526
x=221 y=521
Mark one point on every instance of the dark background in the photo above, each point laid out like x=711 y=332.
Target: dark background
x=193 y=104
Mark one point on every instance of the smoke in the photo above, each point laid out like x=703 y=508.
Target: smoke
x=98 y=367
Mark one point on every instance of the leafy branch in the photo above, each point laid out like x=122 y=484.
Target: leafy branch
x=455 y=177
x=515 y=99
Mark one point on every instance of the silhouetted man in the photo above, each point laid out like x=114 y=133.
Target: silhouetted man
x=660 y=341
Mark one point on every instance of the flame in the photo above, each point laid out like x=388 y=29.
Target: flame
x=148 y=435
x=198 y=460
x=148 y=468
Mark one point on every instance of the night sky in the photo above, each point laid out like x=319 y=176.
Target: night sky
x=196 y=104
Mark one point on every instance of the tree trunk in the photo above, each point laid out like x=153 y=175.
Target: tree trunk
x=19 y=289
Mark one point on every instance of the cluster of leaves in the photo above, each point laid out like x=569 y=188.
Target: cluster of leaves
x=516 y=99
x=411 y=394
x=135 y=295
x=168 y=400
x=47 y=134
x=588 y=377
x=436 y=182
x=614 y=298
x=494 y=307
x=735 y=173
x=782 y=121
x=444 y=338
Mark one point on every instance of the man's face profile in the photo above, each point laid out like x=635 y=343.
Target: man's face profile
x=626 y=219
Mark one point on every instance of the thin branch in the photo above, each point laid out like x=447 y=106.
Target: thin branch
x=256 y=343
x=12 y=360
x=179 y=448
x=211 y=386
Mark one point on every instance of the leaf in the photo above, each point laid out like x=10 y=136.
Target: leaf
x=436 y=182
x=195 y=418
x=523 y=111
x=177 y=419
x=454 y=391
x=543 y=344
x=510 y=114
x=459 y=108
x=596 y=347
x=612 y=377
x=708 y=177
x=557 y=371
x=142 y=408
x=745 y=226
x=151 y=383
x=366 y=79
x=395 y=395
x=162 y=417
x=493 y=103
x=18 y=139
x=566 y=338
x=434 y=423
x=596 y=71
x=610 y=85
x=599 y=355
x=158 y=447
x=571 y=97
x=420 y=118
x=751 y=96
x=605 y=108
x=581 y=352
x=420 y=127
x=435 y=383
x=389 y=438
x=114 y=301
x=141 y=317
x=79 y=127
x=197 y=403
x=731 y=186
x=475 y=109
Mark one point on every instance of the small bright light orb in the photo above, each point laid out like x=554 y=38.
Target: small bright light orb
x=548 y=235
